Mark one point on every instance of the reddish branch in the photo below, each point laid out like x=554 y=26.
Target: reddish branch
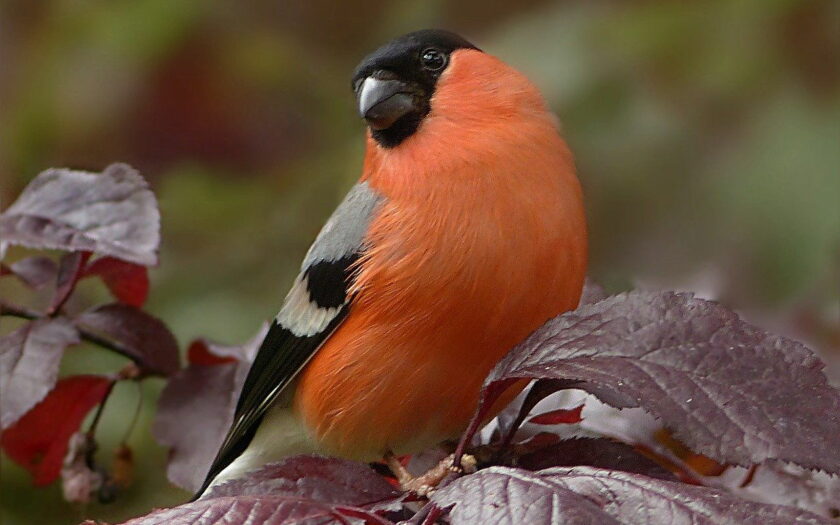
x=12 y=310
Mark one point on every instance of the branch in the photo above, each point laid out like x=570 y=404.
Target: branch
x=13 y=310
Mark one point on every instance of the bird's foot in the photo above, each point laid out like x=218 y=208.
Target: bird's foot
x=426 y=483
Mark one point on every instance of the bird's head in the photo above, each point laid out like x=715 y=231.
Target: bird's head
x=436 y=84
x=433 y=93
x=395 y=84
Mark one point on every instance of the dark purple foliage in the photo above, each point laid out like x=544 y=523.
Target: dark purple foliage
x=114 y=213
x=594 y=452
x=70 y=269
x=308 y=489
x=723 y=387
x=29 y=361
x=726 y=388
x=196 y=407
x=34 y=271
x=267 y=510
x=510 y=420
x=586 y=495
x=142 y=337
x=592 y=293
x=329 y=480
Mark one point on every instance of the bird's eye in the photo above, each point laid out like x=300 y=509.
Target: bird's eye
x=432 y=59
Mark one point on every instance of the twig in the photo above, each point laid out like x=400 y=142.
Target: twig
x=93 y=424
x=136 y=414
x=21 y=312
x=749 y=477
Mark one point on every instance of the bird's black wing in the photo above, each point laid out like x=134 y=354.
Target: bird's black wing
x=315 y=306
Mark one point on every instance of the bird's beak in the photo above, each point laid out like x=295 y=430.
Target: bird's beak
x=383 y=102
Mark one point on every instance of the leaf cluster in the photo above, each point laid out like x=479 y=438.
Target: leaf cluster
x=723 y=394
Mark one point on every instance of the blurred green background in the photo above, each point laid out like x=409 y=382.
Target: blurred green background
x=707 y=137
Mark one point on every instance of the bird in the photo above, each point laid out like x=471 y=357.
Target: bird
x=465 y=232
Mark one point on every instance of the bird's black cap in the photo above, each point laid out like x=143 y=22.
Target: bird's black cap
x=401 y=55
x=405 y=72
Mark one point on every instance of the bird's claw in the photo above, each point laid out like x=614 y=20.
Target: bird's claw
x=467 y=466
x=426 y=483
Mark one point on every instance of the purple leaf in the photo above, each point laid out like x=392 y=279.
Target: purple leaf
x=69 y=272
x=594 y=452
x=114 y=213
x=299 y=489
x=324 y=479
x=34 y=272
x=194 y=413
x=589 y=495
x=507 y=496
x=196 y=408
x=267 y=510
x=538 y=391
x=727 y=389
x=29 y=361
x=592 y=292
x=786 y=484
x=141 y=337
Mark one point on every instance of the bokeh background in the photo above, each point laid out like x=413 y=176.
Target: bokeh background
x=707 y=136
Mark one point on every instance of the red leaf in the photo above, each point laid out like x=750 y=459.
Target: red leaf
x=559 y=416
x=128 y=282
x=539 y=391
x=537 y=442
x=39 y=440
x=199 y=353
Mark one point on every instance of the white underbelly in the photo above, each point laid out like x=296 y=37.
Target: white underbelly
x=281 y=434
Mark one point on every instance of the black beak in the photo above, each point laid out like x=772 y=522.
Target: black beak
x=383 y=102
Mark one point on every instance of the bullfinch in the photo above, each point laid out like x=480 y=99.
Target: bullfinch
x=464 y=233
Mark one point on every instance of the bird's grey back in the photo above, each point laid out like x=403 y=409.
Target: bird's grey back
x=344 y=232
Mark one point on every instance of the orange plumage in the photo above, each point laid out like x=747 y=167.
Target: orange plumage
x=481 y=238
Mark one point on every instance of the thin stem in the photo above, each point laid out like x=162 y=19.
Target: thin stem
x=93 y=424
x=14 y=310
x=749 y=477
x=70 y=269
x=19 y=311
x=434 y=513
x=136 y=416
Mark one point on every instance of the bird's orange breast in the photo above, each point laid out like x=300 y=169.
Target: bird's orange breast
x=479 y=240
